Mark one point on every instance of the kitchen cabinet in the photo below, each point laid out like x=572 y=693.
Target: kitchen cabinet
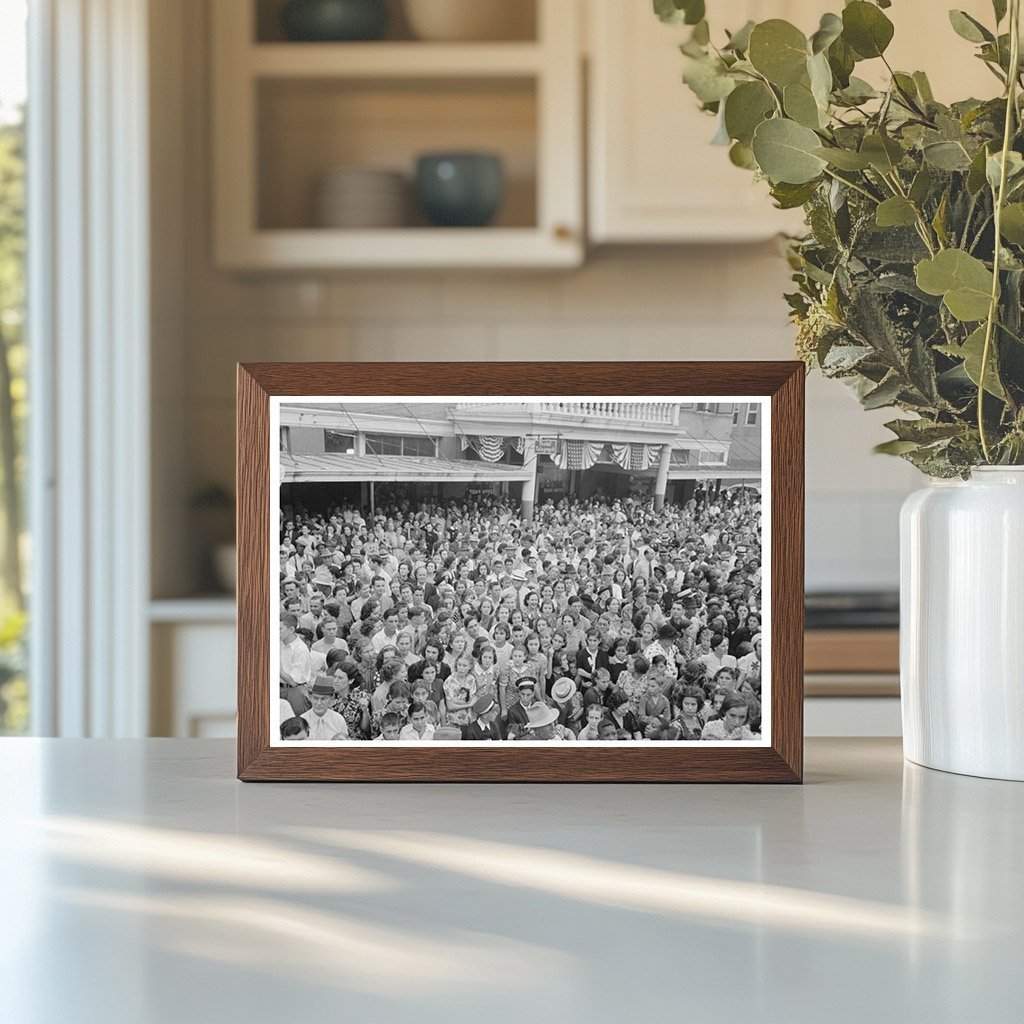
x=653 y=175
x=287 y=113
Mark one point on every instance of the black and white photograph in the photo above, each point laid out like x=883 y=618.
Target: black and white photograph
x=457 y=570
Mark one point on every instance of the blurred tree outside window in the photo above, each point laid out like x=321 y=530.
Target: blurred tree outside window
x=14 y=704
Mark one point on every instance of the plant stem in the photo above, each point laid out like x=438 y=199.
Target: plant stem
x=922 y=225
x=993 y=309
x=854 y=186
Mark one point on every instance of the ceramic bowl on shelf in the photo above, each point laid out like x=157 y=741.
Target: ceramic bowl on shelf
x=460 y=189
x=361 y=198
x=332 y=21
x=469 y=20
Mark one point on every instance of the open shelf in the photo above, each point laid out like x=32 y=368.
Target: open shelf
x=308 y=127
x=520 y=17
x=287 y=113
x=393 y=60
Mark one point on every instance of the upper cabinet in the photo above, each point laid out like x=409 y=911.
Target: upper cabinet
x=316 y=143
x=653 y=174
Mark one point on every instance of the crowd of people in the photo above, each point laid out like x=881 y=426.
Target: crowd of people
x=596 y=619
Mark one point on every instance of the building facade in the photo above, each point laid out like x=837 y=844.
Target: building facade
x=533 y=451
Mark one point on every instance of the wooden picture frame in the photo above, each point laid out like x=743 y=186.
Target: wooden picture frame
x=780 y=384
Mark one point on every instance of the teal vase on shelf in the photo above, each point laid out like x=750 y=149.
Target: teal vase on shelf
x=460 y=189
x=331 y=21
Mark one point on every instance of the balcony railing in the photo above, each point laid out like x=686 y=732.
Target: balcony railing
x=634 y=412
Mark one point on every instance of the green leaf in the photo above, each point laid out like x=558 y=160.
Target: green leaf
x=885 y=394
x=844 y=159
x=921 y=185
x=820 y=76
x=968 y=28
x=946 y=156
x=1012 y=224
x=963 y=281
x=976 y=174
x=1014 y=169
x=789 y=197
x=679 y=12
x=742 y=155
x=896 y=447
x=778 y=50
x=866 y=29
x=883 y=153
x=830 y=28
x=800 y=105
x=924 y=88
x=707 y=80
x=785 y=152
x=842 y=61
x=745 y=108
x=896 y=212
x=739 y=41
x=971 y=352
x=923 y=431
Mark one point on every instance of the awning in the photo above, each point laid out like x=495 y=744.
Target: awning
x=337 y=468
x=714 y=473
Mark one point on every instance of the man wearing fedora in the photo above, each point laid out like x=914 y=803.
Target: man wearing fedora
x=543 y=724
x=324 y=723
x=485 y=725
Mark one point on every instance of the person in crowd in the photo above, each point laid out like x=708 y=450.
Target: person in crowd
x=654 y=705
x=592 y=728
x=419 y=727
x=686 y=702
x=324 y=722
x=732 y=721
x=620 y=713
x=566 y=700
x=294 y=728
x=617 y=618
x=542 y=724
x=485 y=724
x=390 y=727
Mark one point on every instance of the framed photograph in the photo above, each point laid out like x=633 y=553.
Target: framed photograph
x=517 y=572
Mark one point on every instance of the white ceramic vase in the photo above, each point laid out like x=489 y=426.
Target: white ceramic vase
x=962 y=624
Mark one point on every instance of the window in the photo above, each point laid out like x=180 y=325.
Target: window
x=337 y=443
x=751 y=415
x=14 y=694
x=383 y=444
x=400 y=444
x=707 y=458
x=425 y=446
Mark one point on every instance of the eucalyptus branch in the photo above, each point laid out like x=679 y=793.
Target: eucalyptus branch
x=853 y=185
x=1000 y=198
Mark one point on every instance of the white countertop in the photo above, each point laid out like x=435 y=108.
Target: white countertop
x=143 y=884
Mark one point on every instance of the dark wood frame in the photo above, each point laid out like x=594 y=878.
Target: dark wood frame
x=514 y=762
